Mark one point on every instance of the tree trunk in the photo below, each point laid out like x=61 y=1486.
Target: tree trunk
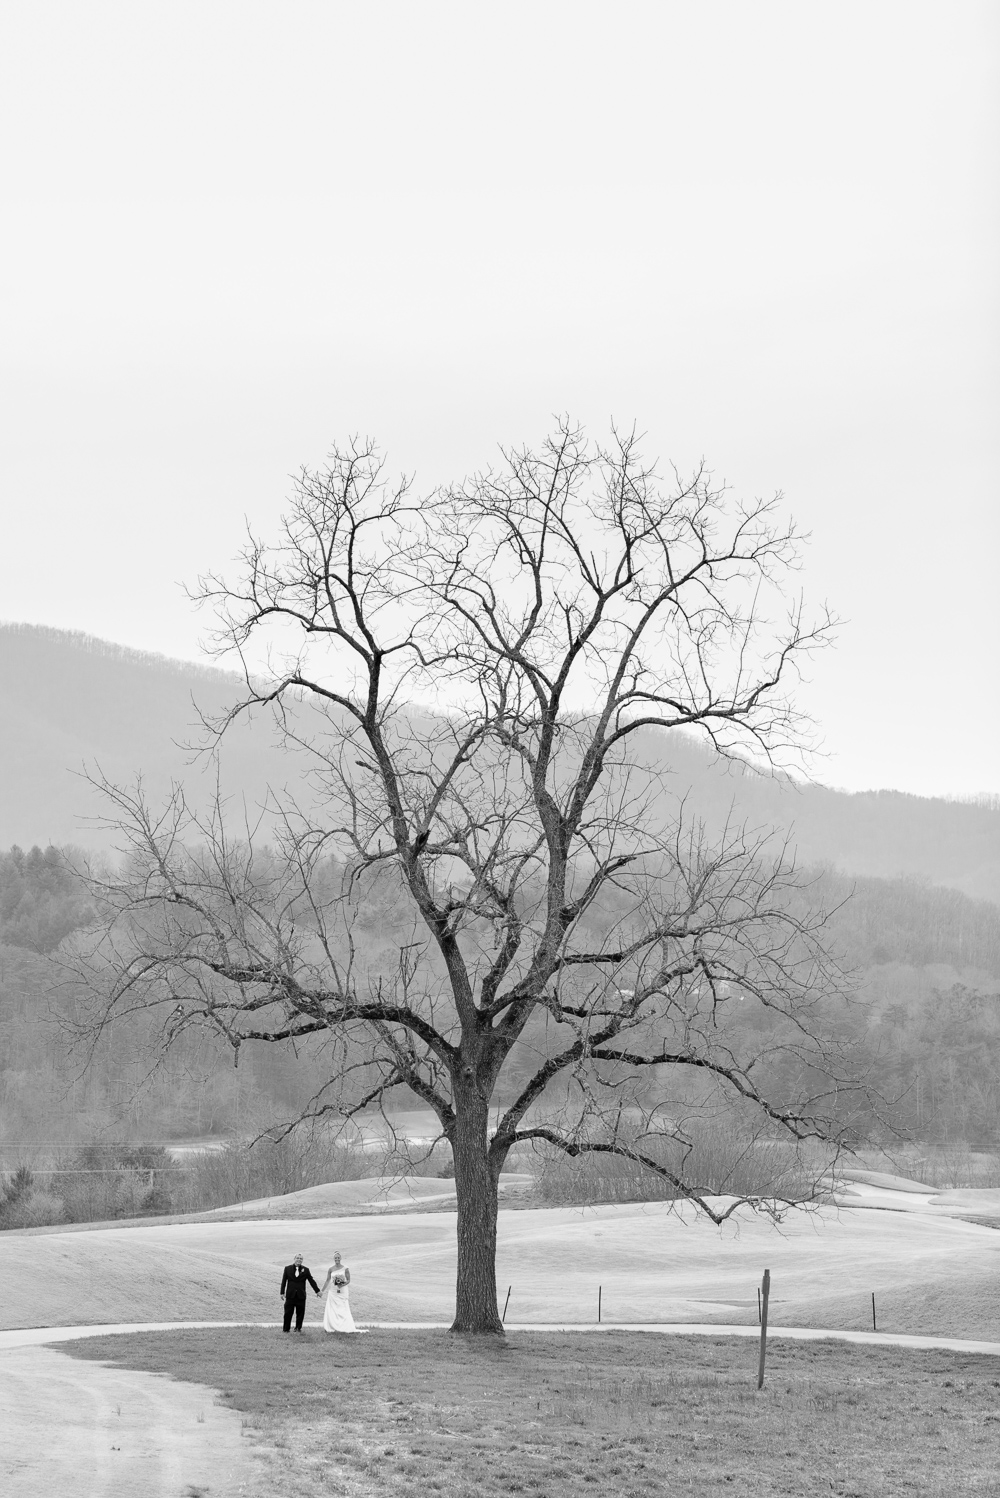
x=476 y=1192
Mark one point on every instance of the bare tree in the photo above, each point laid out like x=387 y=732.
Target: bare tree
x=478 y=679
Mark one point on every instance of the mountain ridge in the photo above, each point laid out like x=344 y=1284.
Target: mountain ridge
x=70 y=702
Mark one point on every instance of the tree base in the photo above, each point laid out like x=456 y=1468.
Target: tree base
x=478 y=1328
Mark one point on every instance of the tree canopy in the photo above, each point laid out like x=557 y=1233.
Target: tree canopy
x=476 y=680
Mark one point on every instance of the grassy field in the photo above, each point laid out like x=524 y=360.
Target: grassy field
x=931 y=1274
x=555 y=1415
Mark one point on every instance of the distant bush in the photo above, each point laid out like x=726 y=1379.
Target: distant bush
x=104 y=1182
x=417 y=1158
x=38 y=1209
x=101 y=1182
x=24 y=1205
x=142 y=1157
x=942 y=1166
x=718 y=1157
x=157 y=1201
x=17 y=1186
x=247 y=1171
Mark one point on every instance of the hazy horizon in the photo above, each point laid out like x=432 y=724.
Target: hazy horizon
x=767 y=235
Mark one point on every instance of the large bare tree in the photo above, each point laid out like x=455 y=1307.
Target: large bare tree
x=480 y=681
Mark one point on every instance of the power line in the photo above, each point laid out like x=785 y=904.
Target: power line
x=108 y=1170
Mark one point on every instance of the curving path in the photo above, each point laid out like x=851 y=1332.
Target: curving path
x=82 y=1428
x=43 y=1336
x=69 y=1427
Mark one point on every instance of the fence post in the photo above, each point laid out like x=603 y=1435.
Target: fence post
x=763 y=1327
x=599 y=1288
x=506 y=1303
x=758 y=1305
x=874 y=1327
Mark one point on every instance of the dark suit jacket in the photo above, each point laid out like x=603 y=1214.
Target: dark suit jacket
x=295 y=1279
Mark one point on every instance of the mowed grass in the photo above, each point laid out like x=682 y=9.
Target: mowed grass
x=624 y=1414
x=931 y=1275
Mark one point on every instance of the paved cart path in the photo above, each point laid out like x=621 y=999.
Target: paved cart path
x=43 y=1336
x=69 y=1427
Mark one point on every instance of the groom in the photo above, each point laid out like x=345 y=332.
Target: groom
x=293 y=1292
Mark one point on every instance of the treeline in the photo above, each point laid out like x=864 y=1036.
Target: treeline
x=926 y=1021
x=55 y=1088
x=68 y=643
x=935 y=1054
x=101 y=1182
x=42 y=899
x=877 y=921
x=77 y=700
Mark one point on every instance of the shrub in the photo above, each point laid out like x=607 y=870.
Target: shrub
x=157 y=1200
x=20 y=1185
x=100 y=1182
x=32 y=1209
x=243 y=1170
x=717 y=1156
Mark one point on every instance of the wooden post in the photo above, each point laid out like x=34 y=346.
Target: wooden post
x=506 y=1303
x=874 y=1327
x=766 y=1288
x=599 y=1288
x=758 y=1306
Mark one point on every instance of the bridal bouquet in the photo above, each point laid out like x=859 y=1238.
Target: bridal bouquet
x=339 y=1281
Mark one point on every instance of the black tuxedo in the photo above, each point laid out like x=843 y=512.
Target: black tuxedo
x=293 y=1288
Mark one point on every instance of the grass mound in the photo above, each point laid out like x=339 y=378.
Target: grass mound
x=396 y=1413
x=369 y=1194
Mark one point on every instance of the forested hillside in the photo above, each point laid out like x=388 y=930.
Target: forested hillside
x=70 y=702
x=926 y=964
x=41 y=899
x=72 y=705
x=881 y=832
x=914 y=885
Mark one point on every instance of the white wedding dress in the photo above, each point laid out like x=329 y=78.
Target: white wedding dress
x=337 y=1315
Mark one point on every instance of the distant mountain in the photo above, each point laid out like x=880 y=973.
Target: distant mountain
x=68 y=701
x=71 y=704
x=882 y=834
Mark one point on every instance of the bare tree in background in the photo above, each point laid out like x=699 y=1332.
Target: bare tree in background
x=478 y=679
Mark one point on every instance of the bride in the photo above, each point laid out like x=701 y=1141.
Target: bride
x=337 y=1315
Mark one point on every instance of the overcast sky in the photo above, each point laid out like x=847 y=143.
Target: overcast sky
x=767 y=232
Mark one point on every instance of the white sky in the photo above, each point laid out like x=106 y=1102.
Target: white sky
x=768 y=232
